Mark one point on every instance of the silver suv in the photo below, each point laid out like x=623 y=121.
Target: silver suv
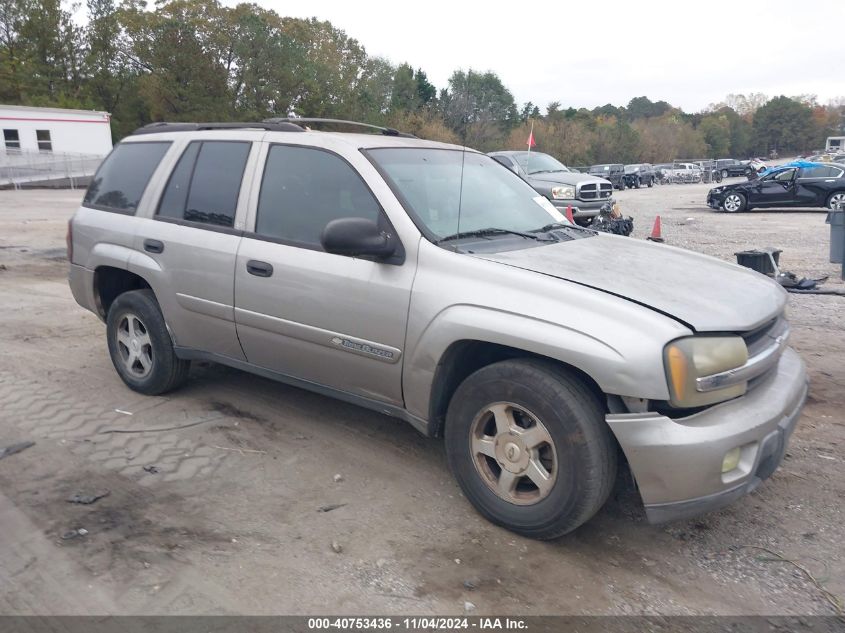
x=426 y=282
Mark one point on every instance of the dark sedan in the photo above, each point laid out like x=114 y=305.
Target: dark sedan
x=730 y=167
x=805 y=185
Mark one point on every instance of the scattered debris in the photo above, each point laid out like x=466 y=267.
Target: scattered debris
x=87 y=500
x=153 y=470
x=767 y=262
x=834 y=600
x=457 y=561
x=71 y=534
x=337 y=548
x=471 y=584
x=469 y=607
x=123 y=412
x=15 y=448
x=169 y=428
x=3 y=267
x=338 y=478
x=329 y=507
x=610 y=220
x=242 y=451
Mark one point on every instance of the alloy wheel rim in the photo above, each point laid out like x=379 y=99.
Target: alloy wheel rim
x=836 y=199
x=732 y=203
x=513 y=453
x=134 y=346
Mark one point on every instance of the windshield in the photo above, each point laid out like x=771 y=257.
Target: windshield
x=536 y=163
x=489 y=197
x=631 y=169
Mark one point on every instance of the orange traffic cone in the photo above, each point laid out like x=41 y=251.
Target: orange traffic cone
x=656 y=235
x=569 y=213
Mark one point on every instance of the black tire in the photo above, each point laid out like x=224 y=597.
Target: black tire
x=724 y=173
x=166 y=371
x=832 y=199
x=573 y=415
x=650 y=183
x=732 y=208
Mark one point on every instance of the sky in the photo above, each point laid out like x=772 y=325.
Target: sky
x=587 y=54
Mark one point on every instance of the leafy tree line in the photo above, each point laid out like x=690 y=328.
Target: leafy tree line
x=196 y=60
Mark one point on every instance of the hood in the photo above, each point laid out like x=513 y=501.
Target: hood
x=705 y=293
x=563 y=178
x=735 y=186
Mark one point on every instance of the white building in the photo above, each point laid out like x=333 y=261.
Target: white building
x=54 y=130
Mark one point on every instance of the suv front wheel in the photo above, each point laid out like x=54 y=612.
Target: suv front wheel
x=140 y=346
x=529 y=446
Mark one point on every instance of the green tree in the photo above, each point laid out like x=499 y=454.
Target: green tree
x=643 y=107
x=783 y=125
x=405 y=89
x=425 y=89
x=481 y=102
x=716 y=130
x=12 y=50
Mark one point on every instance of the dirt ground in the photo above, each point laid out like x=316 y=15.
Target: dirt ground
x=216 y=491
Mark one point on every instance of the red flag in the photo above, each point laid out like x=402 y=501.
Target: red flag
x=531 y=142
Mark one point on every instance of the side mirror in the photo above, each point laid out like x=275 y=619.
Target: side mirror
x=356 y=237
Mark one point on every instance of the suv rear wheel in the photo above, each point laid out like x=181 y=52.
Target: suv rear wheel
x=529 y=446
x=140 y=346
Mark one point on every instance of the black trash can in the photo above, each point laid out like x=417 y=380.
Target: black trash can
x=764 y=260
x=836 y=219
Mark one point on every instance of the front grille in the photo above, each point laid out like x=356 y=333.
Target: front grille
x=762 y=338
x=589 y=192
x=595 y=191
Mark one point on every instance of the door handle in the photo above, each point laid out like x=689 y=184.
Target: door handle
x=259 y=269
x=153 y=246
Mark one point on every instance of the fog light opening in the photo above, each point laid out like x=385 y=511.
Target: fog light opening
x=731 y=459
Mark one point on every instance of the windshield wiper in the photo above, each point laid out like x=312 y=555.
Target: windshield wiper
x=545 y=171
x=556 y=226
x=491 y=231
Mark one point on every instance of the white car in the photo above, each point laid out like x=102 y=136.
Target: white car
x=686 y=172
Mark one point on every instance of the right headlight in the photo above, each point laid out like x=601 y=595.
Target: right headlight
x=564 y=192
x=695 y=357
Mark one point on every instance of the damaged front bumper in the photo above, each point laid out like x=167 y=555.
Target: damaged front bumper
x=715 y=200
x=678 y=463
x=582 y=210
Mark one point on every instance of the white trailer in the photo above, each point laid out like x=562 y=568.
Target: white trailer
x=835 y=144
x=54 y=130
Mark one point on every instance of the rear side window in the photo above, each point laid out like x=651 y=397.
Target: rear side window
x=304 y=189
x=123 y=176
x=206 y=182
x=820 y=171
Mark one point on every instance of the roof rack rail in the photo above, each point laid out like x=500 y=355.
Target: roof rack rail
x=270 y=126
x=387 y=131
